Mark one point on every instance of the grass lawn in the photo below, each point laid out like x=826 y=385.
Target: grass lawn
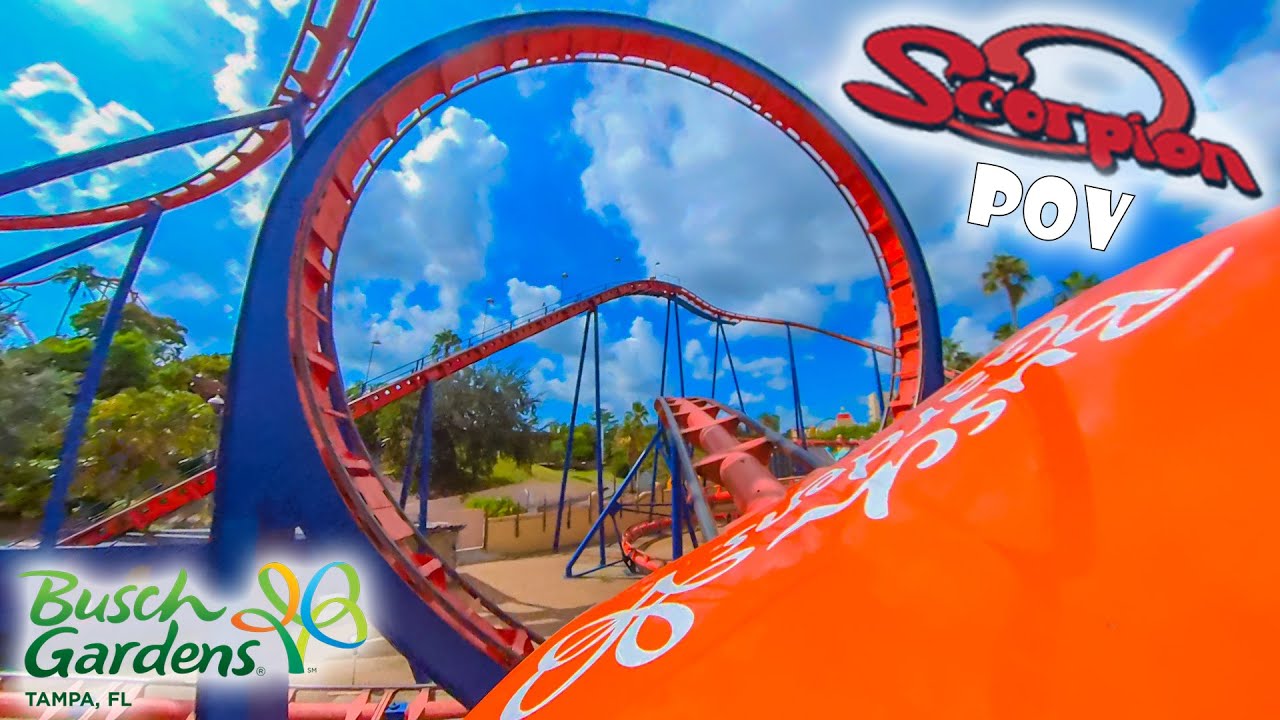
x=505 y=472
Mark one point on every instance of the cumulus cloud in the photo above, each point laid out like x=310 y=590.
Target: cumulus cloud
x=749 y=222
x=41 y=94
x=425 y=225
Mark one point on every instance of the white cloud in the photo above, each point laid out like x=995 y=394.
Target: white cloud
x=229 y=83
x=748 y=222
x=425 y=224
x=630 y=368
x=284 y=7
x=50 y=99
x=746 y=219
x=187 y=286
x=974 y=336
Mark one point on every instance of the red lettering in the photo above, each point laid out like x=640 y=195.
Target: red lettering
x=1025 y=112
x=1107 y=138
x=1217 y=158
x=1058 y=127
x=977 y=101
x=927 y=102
x=1177 y=152
x=1038 y=125
x=1142 y=150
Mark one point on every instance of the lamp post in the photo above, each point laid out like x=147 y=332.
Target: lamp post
x=368 y=366
x=218 y=404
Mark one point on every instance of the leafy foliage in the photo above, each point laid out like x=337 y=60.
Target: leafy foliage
x=1008 y=273
x=954 y=355
x=34 y=406
x=495 y=506
x=145 y=422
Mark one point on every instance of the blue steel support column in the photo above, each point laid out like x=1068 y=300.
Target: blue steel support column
x=729 y=356
x=677 y=497
x=415 y=438
x=425 y=418
x=297 y=122
x=598 y=525
x=666 y=341
x=795 y=391
x=573 y=423
x=55 y=509
x=679 y=350
x=595 y=333
x=68 y=165
x=715 y=362
x=58 y=252
x=875 y=363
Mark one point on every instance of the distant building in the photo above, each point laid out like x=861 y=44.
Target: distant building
x=844 y=418
x=874 y=408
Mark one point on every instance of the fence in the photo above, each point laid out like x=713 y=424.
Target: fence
x=534 y=532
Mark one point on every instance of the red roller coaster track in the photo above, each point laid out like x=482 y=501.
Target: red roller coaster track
x=319 y=54
x=145 y=512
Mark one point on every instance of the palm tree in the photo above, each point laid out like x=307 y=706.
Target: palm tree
x=1009 y=273
x=955 y=357
x=1074 y=284
x=444 y=343
x=1005 y=331
x=78 y=277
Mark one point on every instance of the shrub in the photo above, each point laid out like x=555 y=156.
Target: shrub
x=495 y=506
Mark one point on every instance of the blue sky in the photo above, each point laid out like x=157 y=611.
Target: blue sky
x=609 y=174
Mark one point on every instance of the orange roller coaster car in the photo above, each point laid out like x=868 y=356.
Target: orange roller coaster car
x=1040 y=539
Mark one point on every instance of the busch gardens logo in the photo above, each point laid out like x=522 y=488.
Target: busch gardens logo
x=985 y=88
x=66 y=613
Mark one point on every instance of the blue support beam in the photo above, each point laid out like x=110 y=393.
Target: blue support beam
x=55 y=509
x=679 y=351
x=610 y=510
x=795 y=391
x=715 y=362
x=426 y=417
x=297 y=122
x=595 y=333
x=666 y=344
x=573 y=424
x=68 y=165
x=406 y=473
x=884 y=412
x=677 y=498
x=732 y=371
x=54 y=254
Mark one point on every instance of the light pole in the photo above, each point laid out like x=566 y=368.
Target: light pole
x=218 y=404
x=368 y=366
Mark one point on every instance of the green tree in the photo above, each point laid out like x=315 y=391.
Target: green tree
x=630 y=438
x=77 y=278
x=1008 y=273
x=771 y=421
x=168 y=336
x=1074 y=284
x=1005 y=331
x=135 y=440
x=131 y=361
x=477 y=415
x=955 y=357
x=205 y=375
x=34 y=407
x=445 y=343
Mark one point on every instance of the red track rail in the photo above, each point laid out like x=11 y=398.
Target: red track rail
x=319 y=54
x=739 y=465
x=142 y=514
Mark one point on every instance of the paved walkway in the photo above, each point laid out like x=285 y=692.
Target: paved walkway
x=533 y=589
